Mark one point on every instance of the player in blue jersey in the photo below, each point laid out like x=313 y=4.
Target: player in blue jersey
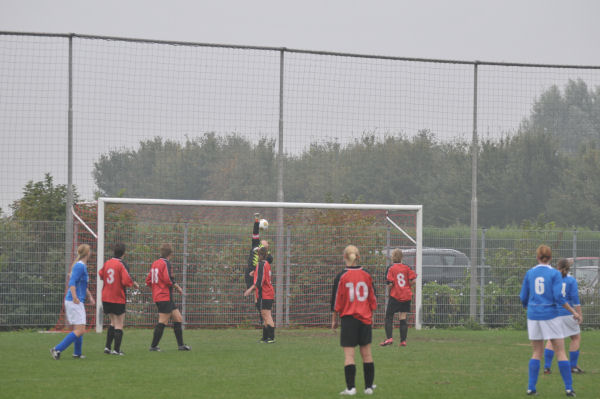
x=74 y=308
x=541 y=296
x=572 y=330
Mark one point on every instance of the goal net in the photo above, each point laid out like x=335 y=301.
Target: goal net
x=212 y=241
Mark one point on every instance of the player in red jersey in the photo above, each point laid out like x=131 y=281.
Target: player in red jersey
x=401 y=281
x=265 y=294
x=355 y=302
x=161 y=281
x=116 y=278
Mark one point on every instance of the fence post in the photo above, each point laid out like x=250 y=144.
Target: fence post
x=287 y=276
x=388 y=259
x=69 y=204
x=184 y=278
x=474 y=156
x=482 y=288
x=280 y=198
x=574 y=252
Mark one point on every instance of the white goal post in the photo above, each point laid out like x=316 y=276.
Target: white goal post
x=418 y=239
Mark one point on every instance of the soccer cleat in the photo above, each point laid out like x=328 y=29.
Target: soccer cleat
x=570 y=393
x=387 y=342
x=270 y=341
x=154 y=349
x=402 y=343
x=547 y=371
x=113 y=352
x=369 y=391
x=184 y=348
x=78 y=356
x=107 y=351
x=55 y=354
x=347 y=391
x=576 y=370
x=531 y=392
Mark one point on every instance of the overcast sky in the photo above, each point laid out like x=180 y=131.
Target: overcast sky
x=537 y=31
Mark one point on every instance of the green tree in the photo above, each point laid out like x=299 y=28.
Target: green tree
x=42 y=201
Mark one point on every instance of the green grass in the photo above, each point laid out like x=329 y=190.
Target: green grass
x=302 y=364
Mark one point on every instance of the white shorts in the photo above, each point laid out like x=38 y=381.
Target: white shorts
x=75 y=313
x=545 y=329
x=570 y=325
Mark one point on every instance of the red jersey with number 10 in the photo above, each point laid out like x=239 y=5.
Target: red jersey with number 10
x=355 y=295
x=160 y=281
x=401 y=276
x=115 y=278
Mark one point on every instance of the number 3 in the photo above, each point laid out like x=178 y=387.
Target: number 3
x=111 y=276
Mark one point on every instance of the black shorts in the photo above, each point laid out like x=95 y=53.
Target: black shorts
x=113 y=308
x=264 y=304
x=354 y=332
x=166 y=306
x=395 y=306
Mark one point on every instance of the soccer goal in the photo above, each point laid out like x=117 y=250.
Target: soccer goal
x=212 y=244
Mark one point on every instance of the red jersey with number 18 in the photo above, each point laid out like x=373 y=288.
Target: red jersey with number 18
x=401 y=276
x=160 y=281
x=115 y=278
x=355 y=295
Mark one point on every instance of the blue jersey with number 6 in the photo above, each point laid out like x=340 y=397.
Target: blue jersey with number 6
x=541 y=292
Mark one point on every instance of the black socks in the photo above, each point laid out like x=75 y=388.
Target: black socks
x=403 y=330
x=350 y=373
x=369 y=370
x=178 y=333
x=158 y=332
x=110 y=334
x=118 y=339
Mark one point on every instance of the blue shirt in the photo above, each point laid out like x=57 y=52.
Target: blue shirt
x=541 y=292
x=79 y=280
x=570 y=292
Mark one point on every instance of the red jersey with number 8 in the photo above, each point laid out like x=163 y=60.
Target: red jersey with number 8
x=115 y=278
x=159 y=280
x=401 y=276
x=355 y=295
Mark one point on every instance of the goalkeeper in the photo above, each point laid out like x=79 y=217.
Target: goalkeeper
x=253 y=257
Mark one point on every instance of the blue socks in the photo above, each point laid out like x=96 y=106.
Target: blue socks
x=534 y=371
x=574 y=356
x=565 y=371
x=78 y=343
x=548 y=356
x=68 y=340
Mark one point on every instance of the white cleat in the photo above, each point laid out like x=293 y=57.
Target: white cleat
x=348 y=392
x=369 y=391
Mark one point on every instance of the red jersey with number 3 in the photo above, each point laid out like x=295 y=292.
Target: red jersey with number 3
x=356 y=295
x=401 y=276
x=116 y=278
x=160 y=282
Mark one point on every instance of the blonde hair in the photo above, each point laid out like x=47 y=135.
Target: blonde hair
x=397 y=255
x=82 y=251
x=351 y=255
x=544 y=253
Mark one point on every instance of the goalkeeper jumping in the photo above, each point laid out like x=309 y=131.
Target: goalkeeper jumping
x=253 y=258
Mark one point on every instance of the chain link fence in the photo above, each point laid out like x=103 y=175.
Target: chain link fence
x=158 y=119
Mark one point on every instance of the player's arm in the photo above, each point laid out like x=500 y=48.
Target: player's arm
x=76 y=274
x=255 y=231
x=249 y=290
x=90 y=297
x=334 y=288
x=389 y=278
x=575 y=300
x=524 y=295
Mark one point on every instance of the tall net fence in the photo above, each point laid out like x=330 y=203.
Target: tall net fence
x=156 y=119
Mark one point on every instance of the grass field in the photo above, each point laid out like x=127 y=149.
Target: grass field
x=302 y=364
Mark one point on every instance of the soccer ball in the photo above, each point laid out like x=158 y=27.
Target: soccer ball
x=263 y=224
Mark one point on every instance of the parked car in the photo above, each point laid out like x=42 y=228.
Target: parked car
x=586 y=272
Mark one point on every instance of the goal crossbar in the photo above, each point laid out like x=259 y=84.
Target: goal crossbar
x=102 y=201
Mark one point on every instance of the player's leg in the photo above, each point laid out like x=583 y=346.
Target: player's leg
x=269 y=323
x=364 y=341
x=178 y=330
x=403 y=328
x=119 y=321
x=389 y=322
x=574 y=353
x=548 y=356
x=349 y=371
x=163 y=319
x=563 y=363
x=534 y=364
x=78 y=343
x=76 y=317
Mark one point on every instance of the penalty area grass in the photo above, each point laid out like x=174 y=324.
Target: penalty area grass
x=303 y=363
